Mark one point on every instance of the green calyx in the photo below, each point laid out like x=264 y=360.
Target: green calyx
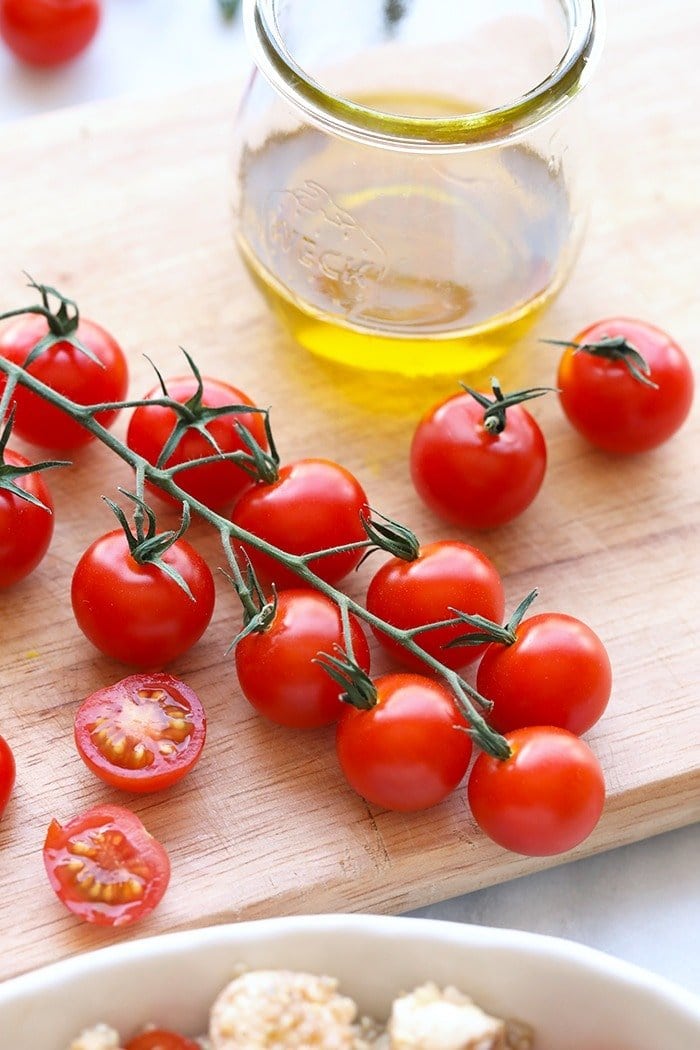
x=9 y=472
x=387 y=535
x=615 y=348
x=147 y=546
x=487 y=631
x=194 y=415
x=358 y=689
x=62 y=319
x=495 y=408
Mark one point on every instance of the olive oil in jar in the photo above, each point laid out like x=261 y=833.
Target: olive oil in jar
x=418 y=264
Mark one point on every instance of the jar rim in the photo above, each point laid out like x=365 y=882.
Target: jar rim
x=444 y=133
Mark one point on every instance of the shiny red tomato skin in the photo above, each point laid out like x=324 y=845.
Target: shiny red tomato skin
x=543 y=800
x=132 y=853
x=275 y=668
x=161 y=1039
x=48 y=32
x=25 y=530
x=612 y=409
x=136 y=613
x=556 y=673
x=447 y=573
x=217 y=485
x=469 y=476
x=405 y=753
x=7 y=773
x=315 y=504
x=67 y=371
x=154 y=713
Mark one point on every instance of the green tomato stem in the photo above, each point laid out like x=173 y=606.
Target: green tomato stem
x=465 y=695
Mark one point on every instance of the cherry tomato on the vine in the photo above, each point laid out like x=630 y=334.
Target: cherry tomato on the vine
x=276 y=669
x=446 y=575
x=105 y=867
x=546 y=798
x=557 y=673
x=217 y=485
x=161 y=1039
x=610 y=406
x=7 y=773
x=134 y=612
x=70 y=372
x=477 y=471
x=25 y=528
x=314 y=504
x=143 y=733
x=48 y=32
x=405 y=753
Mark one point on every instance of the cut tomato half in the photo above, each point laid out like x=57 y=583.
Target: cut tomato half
x=143 y=733
x=161 y=1039
x=105 y=867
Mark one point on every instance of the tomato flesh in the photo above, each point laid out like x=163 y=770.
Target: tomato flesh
x=405 y=753
x=68 y=371
x=25 y=529
x=545 y=799
x=276 y=669
x=105 y=867
x=7 y=773
x=144 y=733
x=160 y=1039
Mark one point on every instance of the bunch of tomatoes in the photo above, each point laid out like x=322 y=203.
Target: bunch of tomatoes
x=291 y=534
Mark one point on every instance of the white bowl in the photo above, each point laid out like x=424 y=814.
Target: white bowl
x=576 y=998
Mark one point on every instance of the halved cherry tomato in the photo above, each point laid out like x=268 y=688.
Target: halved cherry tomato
x=160 y=1039
x=217 y=485
x=606 y=403
x=105 y=867
x=133 y=611
x=557 y=672
x=545 y=799
x=48 y=32
x=143 y=733
x=70 y=372
x=276 y=668
x=446 y=575
x=471 y=475
x=25 y=528
x=405 y=753
x=7 y=773
x=315 y=504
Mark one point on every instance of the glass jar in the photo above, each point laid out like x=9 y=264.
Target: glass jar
x=408 y=173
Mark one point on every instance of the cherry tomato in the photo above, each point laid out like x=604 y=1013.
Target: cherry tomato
x=405 y=753
x=446 y=574
x=25 y=528
x=143 y=733
x=315 y=504
x=48 y=32
x=161 y=1039
x=70 y=372
x=7 y=773
x=556 y=673
x=471 y=475
x=136 y=613
x=609 y=406
x=215 y=484
x=545 y=799
x=105 y=866
x=275 y=667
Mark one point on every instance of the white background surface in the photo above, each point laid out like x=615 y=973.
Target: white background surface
x=641 y=902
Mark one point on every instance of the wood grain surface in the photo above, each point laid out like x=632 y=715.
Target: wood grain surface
x=124 y=206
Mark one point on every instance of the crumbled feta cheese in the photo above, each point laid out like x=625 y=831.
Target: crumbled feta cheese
x=281 y=1010
x=431 y=1019
x=101 y=1037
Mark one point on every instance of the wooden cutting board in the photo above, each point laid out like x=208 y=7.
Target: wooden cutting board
x=124 y=206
